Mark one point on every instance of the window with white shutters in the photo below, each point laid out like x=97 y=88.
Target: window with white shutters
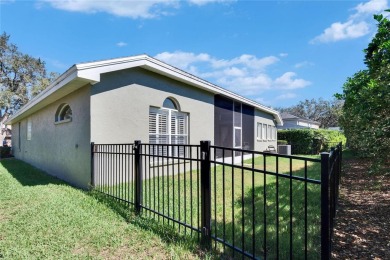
x=269 y=132
x=264 y=132
x=168 y=126
x=259 y=131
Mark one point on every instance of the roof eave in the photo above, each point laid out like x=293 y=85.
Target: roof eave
x=53 y=92
x=93 y=70
x=90 y=73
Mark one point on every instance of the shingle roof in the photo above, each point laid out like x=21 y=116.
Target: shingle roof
x=287 y=116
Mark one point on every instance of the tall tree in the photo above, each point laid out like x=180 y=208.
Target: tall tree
x=325 y=112
x=366 y=113
x=21 y=77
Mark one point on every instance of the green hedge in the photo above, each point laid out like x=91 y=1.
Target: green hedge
x=282 y=142
x=310 y=141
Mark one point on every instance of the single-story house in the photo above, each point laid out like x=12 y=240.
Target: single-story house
x=295 y=122
x=132 y=98
x=5 y=135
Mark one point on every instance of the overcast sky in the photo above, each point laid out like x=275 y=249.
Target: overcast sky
x=274 y=52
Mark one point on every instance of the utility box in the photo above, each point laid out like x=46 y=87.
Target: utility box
x=284 y=149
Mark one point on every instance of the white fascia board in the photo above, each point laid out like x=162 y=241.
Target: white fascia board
x=92 y=70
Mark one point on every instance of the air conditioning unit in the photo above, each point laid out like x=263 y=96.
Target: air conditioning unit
x=284 y=149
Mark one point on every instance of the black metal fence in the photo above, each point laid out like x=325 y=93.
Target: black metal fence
x=252 y=204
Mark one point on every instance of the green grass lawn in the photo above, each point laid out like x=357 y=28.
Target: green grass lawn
x=42 y=217
x=234 y=191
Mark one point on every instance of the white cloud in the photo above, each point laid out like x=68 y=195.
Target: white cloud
x=123 y=8
x=342 y=31
x=286 y=96
x=283 y=54
x=121 y=44
x=235 y=72
x=248 y=85
x=250 y=61
x=182 y=59
x=357 y=25
x=203 y=2
x=371 y=7
x=6 y=1
x=128 y=8
x=288 y=81
x=303 y=64
x=245 y=74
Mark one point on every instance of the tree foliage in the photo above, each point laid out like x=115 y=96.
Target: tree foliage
x=366 y=112
x=21 y=77
x=325 y=112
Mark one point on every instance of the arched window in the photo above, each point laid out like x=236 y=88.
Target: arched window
x=63 y=114
x=170 y=104
x=168 y=125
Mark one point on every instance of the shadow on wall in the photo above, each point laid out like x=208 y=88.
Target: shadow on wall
x=28 y=175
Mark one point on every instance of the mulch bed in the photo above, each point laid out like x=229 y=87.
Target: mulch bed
x=363 y=218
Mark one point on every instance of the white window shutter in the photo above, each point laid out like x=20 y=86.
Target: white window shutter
x=163 y=123
x=152 y=122
x=168 y=126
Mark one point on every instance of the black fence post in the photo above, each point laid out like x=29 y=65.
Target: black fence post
x=205 y=189
x=325 y=225
x=340 y=159
x=92 y=165
x=138 y=175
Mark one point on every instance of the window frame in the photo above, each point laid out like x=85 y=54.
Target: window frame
x=237 y=124
x=29 y=129
x=259 y=133
x=264 y=132
x=60 y=114
x=173 y=131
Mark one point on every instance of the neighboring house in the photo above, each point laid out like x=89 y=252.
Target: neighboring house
x=335 y=128
x=127 y=99
x=5 y=135
x=294 y=122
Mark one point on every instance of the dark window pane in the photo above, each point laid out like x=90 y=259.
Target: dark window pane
x=168 y=103
x=237 y=137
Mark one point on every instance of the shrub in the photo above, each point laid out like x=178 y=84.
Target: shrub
x=282 y=142
x=310 y=141
x=5 y=152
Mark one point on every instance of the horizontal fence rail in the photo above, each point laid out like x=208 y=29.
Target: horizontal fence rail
x=241 y=203
x=312 y=148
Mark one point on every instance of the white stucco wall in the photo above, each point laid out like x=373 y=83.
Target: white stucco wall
x=62 y=150
x=120 y=105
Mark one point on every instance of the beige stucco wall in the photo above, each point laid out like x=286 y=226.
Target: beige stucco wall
x=120 y=105
x=264 y=118
x=62 y=150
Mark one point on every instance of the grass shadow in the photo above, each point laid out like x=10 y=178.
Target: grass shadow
x=261 y=220
x=173 y=196
x=28 y=175
x=167 y=233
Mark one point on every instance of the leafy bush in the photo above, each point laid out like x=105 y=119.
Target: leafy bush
x=282 y=142
x=366 y=117
x=309 y=141
x=5 y=151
